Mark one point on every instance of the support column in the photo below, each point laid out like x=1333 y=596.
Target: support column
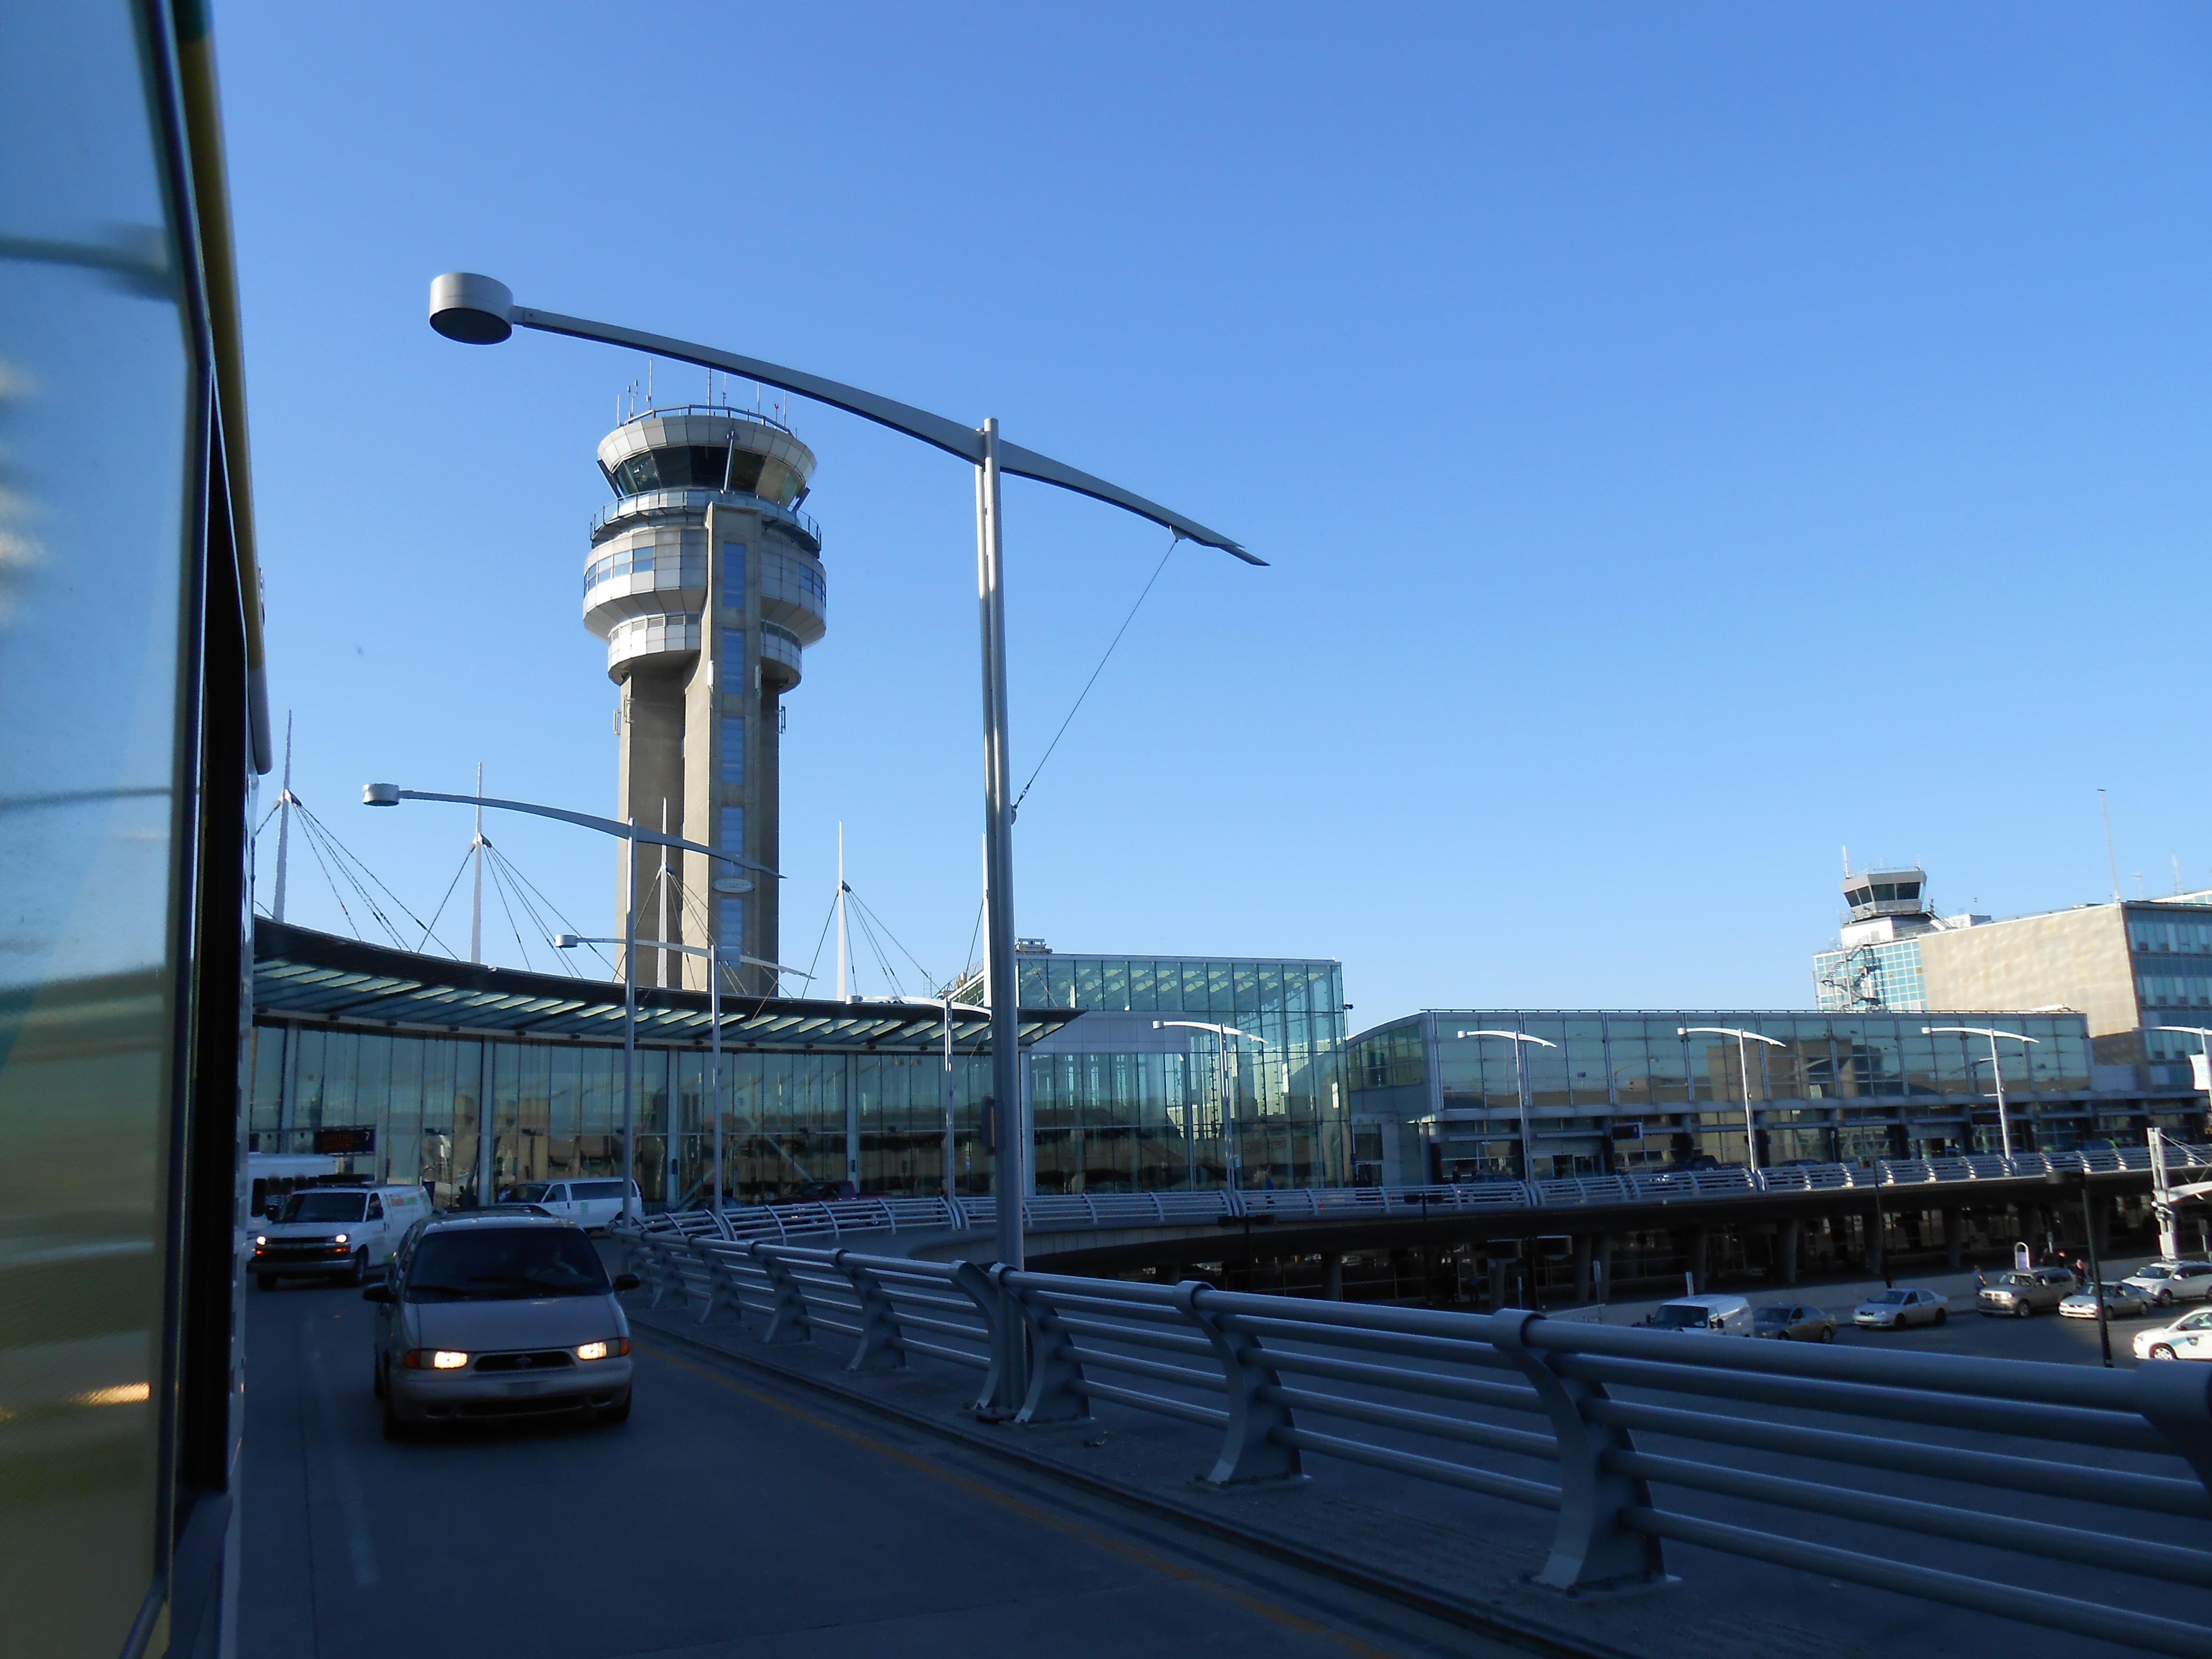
x=1954 y=1240
x=1332 y=1276
x=1604 y=1267
x=1786 y=1249
x=1700 y=1255
x=1499 y=1296
x=1582 y=1269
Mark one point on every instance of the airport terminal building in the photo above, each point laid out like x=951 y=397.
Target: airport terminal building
x=471 y=1077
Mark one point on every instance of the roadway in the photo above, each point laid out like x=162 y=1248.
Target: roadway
x=729 y=1516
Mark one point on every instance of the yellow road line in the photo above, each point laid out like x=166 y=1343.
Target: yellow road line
x=1030 y=1512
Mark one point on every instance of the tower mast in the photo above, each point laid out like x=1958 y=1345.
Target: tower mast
x=283 y=823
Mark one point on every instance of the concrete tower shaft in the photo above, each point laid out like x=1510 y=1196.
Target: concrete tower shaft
x=705 y=581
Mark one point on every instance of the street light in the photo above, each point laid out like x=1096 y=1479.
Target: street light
x=1996 y=1072
x=1233 y=1159
x=1519 y=1083
x=713 y=953
x=1743 y=1065
x=478 y=310
x=391 y=794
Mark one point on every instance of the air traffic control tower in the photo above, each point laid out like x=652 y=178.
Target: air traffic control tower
x=705 y=579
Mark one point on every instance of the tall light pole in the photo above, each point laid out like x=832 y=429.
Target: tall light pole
x=1519 y=1040
x=1742 y=1065
x=1233 y=1157
x=478 y=310
x=391 y=794
x=715 y=956
x=1997 y=1071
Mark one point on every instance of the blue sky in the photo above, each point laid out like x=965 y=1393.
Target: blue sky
x=1688 y=441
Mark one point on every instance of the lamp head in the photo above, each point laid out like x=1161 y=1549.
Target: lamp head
x=472 y=309
x=379 y=795
x=566 y=941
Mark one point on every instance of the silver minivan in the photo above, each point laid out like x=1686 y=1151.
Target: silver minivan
x=1721 y=1314
x=492 y=1316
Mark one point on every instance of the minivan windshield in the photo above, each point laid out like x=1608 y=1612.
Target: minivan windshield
x=324 y=1206
x=595 y=1190
x=505 y=1264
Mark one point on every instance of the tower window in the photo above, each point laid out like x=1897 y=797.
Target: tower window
x=733 y=749
x=733 y=575
x=733 y=648
x=729 y=922
x=733 y=828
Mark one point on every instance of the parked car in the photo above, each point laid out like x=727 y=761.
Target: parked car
x=493 y=1316
x=588 y=1203
x=2019 y=1291
x=822 y=1192
x=322 y=1232
x=2169 y=1282
x=2189 y=1337
x=517 y=1206
x=1900 y=1307
x=1730 y=1315
x=2122 y=1301
x=1794 y=1322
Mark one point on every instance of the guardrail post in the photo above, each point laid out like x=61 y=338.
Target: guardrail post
x=721 y=1288
x=1249 y=1450
x=790 y=1321
x=977 y=1286
x=883 y=1345
x=1590 y=1548
x=665 y=1276
x=1055 y=1375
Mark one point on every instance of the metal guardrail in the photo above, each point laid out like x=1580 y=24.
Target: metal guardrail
x=863 y=1215
x=1562 y=1416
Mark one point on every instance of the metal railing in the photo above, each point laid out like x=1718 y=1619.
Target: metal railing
x=1051 y=1211
x=2029 y=1463
x=686 y=498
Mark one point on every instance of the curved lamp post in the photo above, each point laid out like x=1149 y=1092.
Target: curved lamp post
x=1520 y=1083
x=1996 y=1072
x=1234 y=1156
x=477 y=310
x=1742 y=1065
x=391 y=794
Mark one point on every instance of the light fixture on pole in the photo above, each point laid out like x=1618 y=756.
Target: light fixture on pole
x=715 y=956
x=1518 y=1039
x=1996 y=1070
x=478 y=310
x=391 y=794
x=1742 y=1065
x=1232 y=1154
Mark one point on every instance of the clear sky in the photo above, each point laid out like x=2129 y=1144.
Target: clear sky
x=1688 y=441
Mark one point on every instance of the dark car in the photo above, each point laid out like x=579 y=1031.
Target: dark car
x=1794 y=1322
x=822 y=1192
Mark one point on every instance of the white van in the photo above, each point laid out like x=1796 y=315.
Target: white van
x=1724 y=1316
x=589 y=1202
x=320 y=1231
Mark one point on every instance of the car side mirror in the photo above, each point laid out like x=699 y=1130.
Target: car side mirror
x=377 y=1293
x=627 y=1281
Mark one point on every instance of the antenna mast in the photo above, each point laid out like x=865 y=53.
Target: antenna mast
x=475 y=882
x=844 y=990
x=2106 y=807
x=283 y=822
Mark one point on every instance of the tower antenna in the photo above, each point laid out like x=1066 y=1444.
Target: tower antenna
x=2105 y=808
x=844 y=990
x=1847 y=864
x=283 y=823
x=475 y=881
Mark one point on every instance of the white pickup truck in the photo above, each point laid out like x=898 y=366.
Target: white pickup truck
x=346 y=1232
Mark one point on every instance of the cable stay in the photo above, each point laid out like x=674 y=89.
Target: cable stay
x=1015 y=812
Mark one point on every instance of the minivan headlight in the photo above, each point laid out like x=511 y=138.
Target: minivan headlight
x=340 y=1239
x=617 y=1346
x=434 y=1360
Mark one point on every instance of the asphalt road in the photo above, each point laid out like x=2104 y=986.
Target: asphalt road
x=729 y=1516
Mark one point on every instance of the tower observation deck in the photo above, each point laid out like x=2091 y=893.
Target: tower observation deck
x=705 y=580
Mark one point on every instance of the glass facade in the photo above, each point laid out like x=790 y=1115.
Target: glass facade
x=126 y=594
x=1627 y=1091
x=1881 y=975
x=1121 y=1104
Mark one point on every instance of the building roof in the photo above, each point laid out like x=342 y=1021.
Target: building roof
x=299 y=974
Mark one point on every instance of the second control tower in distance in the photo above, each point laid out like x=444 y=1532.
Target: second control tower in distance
x=705 y=579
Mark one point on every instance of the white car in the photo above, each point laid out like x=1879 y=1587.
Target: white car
x=2168 y=1282
x=347 y=1231
x=2122 y=1301
x=1893 y=1310
x=2189 y=1337
x=588 y=1203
